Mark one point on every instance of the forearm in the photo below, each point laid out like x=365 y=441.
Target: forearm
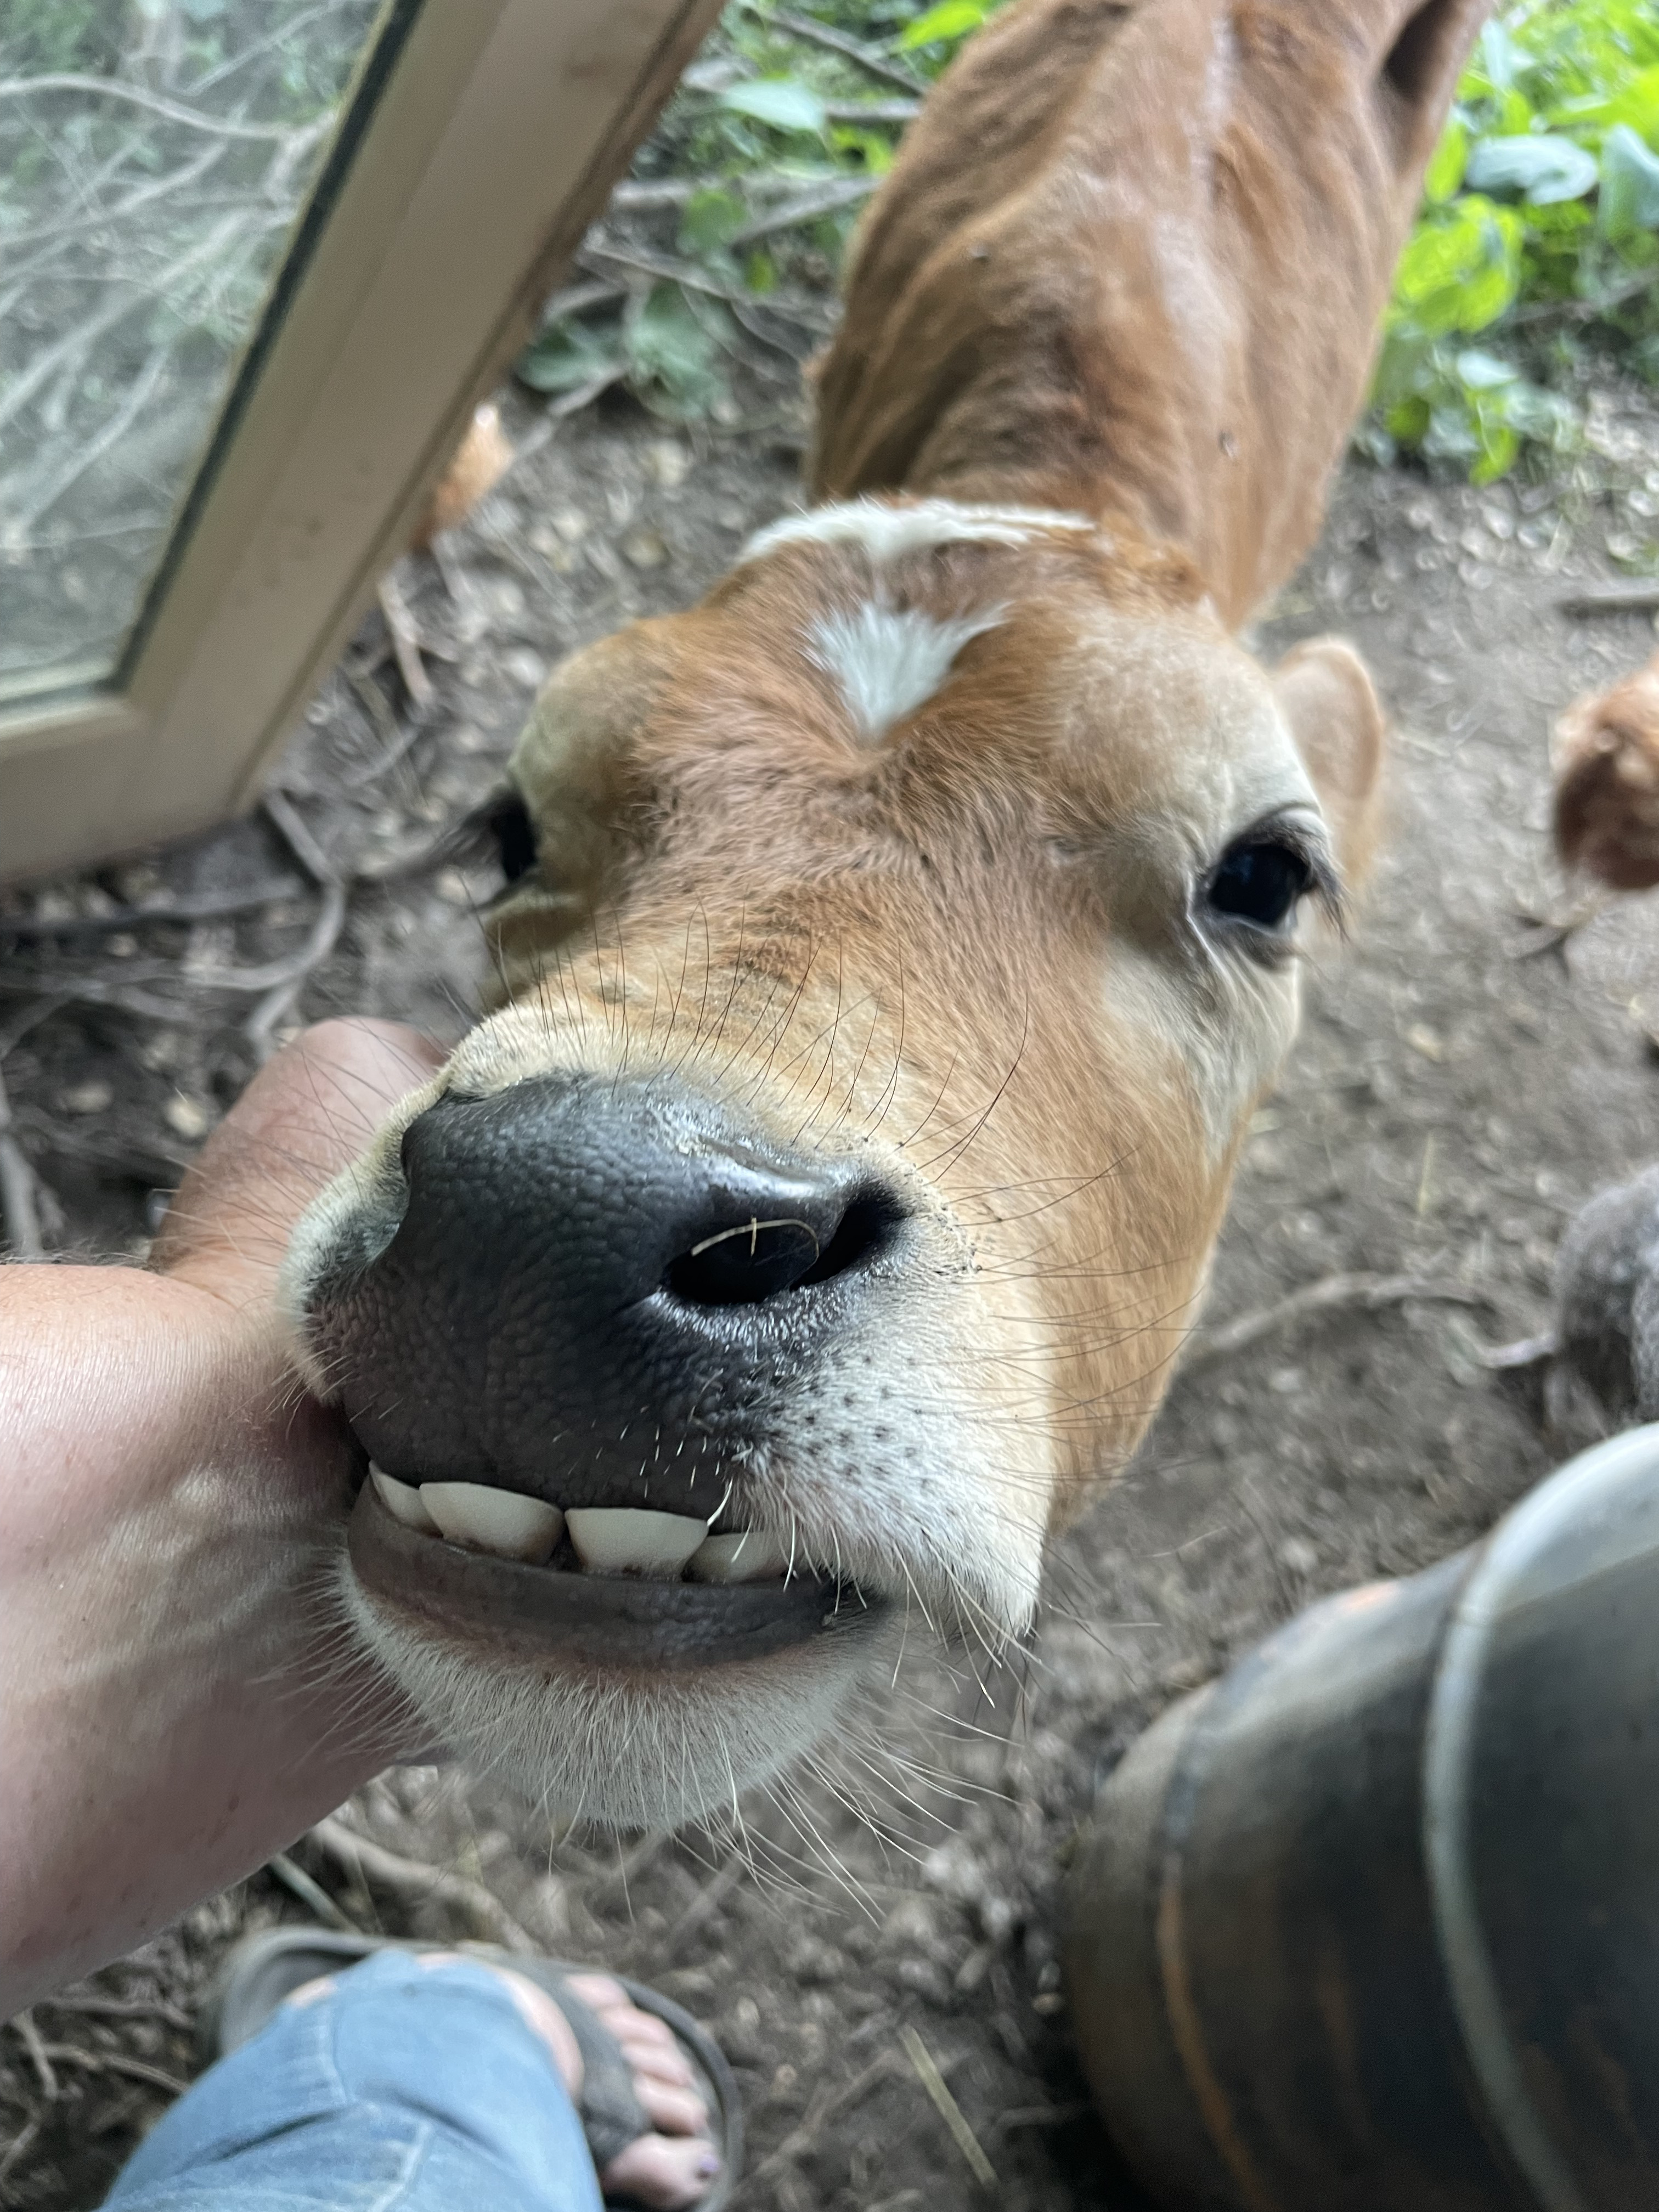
x=175 y=1703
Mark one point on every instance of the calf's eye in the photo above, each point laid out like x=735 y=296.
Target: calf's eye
x=1260 y=882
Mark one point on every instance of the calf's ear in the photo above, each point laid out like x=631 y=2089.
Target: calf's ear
x=1326 y=697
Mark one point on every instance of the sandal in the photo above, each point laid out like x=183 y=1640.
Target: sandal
x=264 y=1969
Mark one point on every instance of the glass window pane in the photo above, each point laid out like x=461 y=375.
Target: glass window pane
x=153 y=156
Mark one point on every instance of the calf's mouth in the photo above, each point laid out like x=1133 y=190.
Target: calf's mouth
x=573 y=1613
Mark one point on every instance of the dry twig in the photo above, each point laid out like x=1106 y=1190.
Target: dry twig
x=1612 y=598
x=282 y=981
x=405 y=636
x=948 y=2110
x=29 y=2036
x=172 y=111
x=19 y=2147
x=200 y=906
x=114 y=2061
x=822 y=199
x=19 y=1211
x=299 y=1884
x=1525 y=1351
x=1329 y=1295
x=416 y=1883
x=668 y=268
x=97 y=2008
x=826 y=2107
x=708 y=1901
x=838 y=42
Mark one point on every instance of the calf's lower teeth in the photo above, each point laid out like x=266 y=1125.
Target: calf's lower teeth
x=498 y=1520
x=755 y=1555
x=629 y=1540
x=401 y=1501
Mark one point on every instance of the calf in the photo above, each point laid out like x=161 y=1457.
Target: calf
x=900 y=939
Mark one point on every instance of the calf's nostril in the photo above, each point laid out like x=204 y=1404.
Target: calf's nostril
x=757 y=1259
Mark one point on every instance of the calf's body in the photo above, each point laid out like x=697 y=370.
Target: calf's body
x=903 y=937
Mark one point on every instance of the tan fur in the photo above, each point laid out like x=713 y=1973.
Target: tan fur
x=1607 y=783
x=972 y=947
x=1133 y=259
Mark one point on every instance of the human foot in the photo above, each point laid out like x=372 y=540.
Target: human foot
x=671 y=2166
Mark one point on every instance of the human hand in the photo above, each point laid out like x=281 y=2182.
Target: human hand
x=178 y=1696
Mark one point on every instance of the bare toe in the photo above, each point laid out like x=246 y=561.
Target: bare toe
x=662 y=2174
x=671 y=2112
x=674 y=2166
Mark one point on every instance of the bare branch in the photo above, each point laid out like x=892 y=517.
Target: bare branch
x=110 y=88
x=838 y=42
x=1328 y=1295
x=416 y=1883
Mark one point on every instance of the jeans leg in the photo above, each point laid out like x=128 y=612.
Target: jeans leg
x=406 y=2089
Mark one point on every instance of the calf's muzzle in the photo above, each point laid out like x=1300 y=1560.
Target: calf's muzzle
x=597 y=1291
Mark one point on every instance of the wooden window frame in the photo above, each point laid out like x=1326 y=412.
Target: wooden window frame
x=479 y=139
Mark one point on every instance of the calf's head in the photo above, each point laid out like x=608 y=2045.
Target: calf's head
x=902 y=940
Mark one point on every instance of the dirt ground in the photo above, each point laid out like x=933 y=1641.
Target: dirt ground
x=1455 y=1094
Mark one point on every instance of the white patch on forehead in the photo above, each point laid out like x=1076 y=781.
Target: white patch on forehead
x=886 y=533
x=890 y=662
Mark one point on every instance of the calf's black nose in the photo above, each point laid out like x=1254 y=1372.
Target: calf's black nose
x=589 y=1275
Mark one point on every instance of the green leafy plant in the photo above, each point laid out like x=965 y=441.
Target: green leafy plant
x=770 y=120
x=1539 y=235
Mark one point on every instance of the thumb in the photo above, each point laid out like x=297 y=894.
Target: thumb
x=306 y=1115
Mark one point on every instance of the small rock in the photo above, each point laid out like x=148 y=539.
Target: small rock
x=91 y=1097
x=667 y=463
x=1286 y=1382
x=644 y=549
x=525 y=667
x=121 y=947
x=187 y=1116
x=161 y=1050
x=741 y=2032
x=1297 y=1554
x=924 y=1978
x=912 y=1921
x=570 y=523
x=1422 y=1039
x=453 y=887
x=814 y=1963
x=973 y=1970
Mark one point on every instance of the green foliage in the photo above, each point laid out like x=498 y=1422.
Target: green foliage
x=763 y=117
x=950 y=20
x=785 y=102
x=666 y=349
x=41 y=37
x=1539 y=234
